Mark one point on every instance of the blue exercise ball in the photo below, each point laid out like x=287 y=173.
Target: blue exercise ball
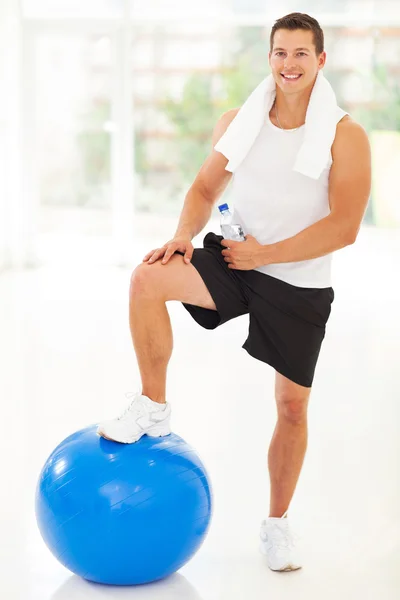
x=123 y=514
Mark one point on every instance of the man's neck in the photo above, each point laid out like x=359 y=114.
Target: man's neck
x=292 y=108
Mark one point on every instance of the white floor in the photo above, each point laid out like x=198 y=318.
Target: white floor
x=67 y=360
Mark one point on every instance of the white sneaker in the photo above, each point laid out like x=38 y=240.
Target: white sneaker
x=278 y=543
x=143 y=416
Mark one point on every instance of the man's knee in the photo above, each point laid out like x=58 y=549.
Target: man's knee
x=292 y=407
x=144 y=280
x=291 y=398
x=173 y=281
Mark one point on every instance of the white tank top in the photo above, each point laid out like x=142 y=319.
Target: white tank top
x=272 y=202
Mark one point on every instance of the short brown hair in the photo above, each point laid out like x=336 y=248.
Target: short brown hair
x=300 y=21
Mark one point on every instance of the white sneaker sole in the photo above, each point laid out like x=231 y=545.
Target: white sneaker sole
x=288 y=567
x=158 y=430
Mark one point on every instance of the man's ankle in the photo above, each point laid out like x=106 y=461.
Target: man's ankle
x=155 y=398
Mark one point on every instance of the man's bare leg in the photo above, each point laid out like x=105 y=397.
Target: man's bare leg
x=151 y=287
x=151 y=333
x=289 y=443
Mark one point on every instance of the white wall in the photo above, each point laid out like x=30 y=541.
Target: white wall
x=13 y=235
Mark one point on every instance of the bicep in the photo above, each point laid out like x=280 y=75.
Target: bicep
x=350 y=177
x=213 y=179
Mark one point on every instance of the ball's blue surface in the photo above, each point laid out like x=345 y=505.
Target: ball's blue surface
x=123 y=514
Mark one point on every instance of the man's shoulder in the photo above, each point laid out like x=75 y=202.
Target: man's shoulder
x=229 y=115
x=345 y=119
x=351 y=141
x=349 y=132
x=223 y=123
x=349 y=126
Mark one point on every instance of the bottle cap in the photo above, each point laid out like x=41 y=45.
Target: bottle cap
x=223 y=207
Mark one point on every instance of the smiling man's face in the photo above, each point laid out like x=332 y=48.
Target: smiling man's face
x=294 y=54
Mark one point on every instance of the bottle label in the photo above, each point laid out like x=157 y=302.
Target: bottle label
x=233 y=232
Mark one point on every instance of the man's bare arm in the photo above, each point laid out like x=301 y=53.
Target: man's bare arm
x=349 y=190
x=209 y=185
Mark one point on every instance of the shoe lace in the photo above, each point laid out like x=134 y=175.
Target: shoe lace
x=281 y=537
x=135 y=406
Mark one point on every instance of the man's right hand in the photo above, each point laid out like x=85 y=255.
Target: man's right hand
x=183 y=244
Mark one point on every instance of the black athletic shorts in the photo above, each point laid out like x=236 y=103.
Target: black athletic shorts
x=286 y=322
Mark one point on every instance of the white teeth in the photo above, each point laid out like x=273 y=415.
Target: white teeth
x=290 y=76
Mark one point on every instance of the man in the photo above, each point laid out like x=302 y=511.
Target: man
x=280 y=275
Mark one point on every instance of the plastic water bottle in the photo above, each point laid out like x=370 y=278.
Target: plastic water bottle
x=230 y=231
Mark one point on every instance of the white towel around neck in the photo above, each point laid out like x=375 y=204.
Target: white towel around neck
x=319 y=131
